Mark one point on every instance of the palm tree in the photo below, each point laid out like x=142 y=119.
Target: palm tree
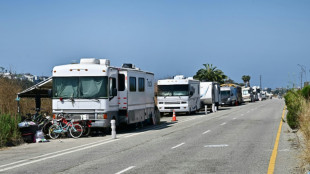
x=246 y=79
x=210 y=73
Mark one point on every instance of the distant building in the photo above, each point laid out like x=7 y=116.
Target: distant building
x=26 y=76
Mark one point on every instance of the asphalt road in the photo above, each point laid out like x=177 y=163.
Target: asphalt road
x=233 y=140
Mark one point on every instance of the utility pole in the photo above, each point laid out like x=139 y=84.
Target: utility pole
x=300 y=80
x=260 y=81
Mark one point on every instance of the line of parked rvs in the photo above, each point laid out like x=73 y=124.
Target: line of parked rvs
x=101 y=92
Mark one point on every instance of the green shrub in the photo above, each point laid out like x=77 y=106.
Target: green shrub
x=293 y=101
x=306 y=92
x=292 y=120
x=9 y=133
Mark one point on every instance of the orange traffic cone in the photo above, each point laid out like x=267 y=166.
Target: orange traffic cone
x=174 y=118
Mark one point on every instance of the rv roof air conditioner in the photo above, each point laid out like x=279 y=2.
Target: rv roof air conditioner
x=128 y=65
x=105 y=62
x=89 y=61
x=179 y=77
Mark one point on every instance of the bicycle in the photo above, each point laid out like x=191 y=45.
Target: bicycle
x=63 y=126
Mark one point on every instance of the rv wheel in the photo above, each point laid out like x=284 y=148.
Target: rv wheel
x=156 y=117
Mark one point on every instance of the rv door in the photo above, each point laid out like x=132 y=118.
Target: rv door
x=113 y=95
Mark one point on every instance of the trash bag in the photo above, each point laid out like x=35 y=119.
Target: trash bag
x=40 y=137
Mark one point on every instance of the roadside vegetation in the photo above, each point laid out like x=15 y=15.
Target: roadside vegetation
x=298 y=116
x=9 y=117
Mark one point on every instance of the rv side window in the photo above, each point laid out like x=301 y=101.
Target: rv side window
x=132 y=84
x=112 y=86
x=121 y=82
x=141 y=84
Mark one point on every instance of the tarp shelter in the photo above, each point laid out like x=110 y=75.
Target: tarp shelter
x=38 y=91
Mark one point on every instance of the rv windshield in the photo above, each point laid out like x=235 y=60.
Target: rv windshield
x=225 y=94
x=173 y=90
x=80 y=87
x=246 y=92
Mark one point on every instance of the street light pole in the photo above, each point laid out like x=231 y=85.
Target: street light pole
x=303 y=70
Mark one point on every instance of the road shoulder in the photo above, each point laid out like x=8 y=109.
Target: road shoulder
x=289 y=151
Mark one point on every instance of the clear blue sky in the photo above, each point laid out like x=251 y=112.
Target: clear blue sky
x=251 y=37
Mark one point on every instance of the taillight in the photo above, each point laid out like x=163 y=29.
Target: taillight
x=61 y=99
x=105 y=116
x=54 y=116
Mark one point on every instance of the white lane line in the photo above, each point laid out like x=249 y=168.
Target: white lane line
x=206 y=132
x=177 y=145
x=242 y=114
x=234 y=118
x=134 y=134
x=57 y=155
x=125 y=170
x=57 y=152
x=223 y=124
x=189 y=119
x=217 y=145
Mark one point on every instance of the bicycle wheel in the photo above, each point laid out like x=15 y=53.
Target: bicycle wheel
x=76 y=130
x=52 y=133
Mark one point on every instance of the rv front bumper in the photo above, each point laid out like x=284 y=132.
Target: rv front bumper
x=178 y=108
x=226 y=101
x=246 y=99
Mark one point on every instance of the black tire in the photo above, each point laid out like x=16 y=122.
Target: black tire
x=76 y=131
x=86 y=131
x=51 y=132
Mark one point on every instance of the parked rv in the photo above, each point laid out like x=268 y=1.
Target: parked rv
x=179 y=94
x=103 y=92
x=264 y=95
x=239 y=94
x=210 y=95
x=269 y=95
x=247 y=94
x=228 y=95
x=257 y=93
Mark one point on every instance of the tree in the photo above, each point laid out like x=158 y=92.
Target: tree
x=210 y=73
x=246 y=79
x=229 y=81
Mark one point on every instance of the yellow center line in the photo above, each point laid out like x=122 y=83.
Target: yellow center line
x=273 y=157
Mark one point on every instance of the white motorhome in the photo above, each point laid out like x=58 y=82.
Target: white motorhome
x=102 y=93
x=210 y=94
x=247 y=94
x=179 y=94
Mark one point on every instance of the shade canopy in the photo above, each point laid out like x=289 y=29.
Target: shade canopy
x=41 y=89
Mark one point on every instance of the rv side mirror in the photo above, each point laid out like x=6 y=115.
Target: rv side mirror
x=50 y=93
x=191 y=93
x=114 y=92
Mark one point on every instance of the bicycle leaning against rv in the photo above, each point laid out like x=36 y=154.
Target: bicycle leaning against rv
x=63 y=126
